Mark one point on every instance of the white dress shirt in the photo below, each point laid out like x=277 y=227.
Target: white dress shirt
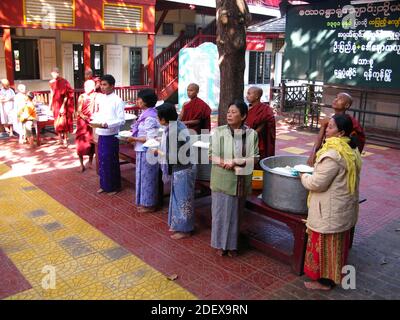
x=111 y=111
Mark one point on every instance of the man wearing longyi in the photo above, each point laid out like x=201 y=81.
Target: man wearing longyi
x=108 y=119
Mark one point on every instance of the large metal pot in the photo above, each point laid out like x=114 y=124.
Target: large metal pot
x=284 y=192
x=203 y=169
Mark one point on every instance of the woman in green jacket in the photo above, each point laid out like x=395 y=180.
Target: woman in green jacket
x=233 y=151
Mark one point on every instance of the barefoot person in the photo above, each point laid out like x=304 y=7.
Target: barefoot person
x=62 y=105
x=340 y=105
x=7 y=106
x=19 y=104
x=333 y=204
x=110 y=116
x=145 y=128
x=181 y=173
x=84 y=132
x=26 y=115
x=232 y=146
x=195 y=113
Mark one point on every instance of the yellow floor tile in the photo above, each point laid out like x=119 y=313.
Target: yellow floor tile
x=30 y=294
x=31 y=248
x=156 y=288
x=31 y=266
x=69 y=268
x=35 y=278
x=102 y=244
x=295 y=150
x=7 y=237
x=92 y=260
x=23 y=255
x=178 y=294
x=46 y=248
x=61 y=289
x=107 y=271
x=57 y=258
x=285 y=137
x=80 y=280
x=95 y=291
x=14 y=246
x=131 y=279
x=129 y=263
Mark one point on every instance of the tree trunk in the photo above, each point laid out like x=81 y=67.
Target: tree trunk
x=232 y=19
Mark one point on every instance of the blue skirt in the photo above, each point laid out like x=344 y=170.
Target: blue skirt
x=109 y=171
x=146 y=181
x=181 y=210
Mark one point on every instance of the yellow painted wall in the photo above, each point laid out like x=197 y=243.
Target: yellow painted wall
x=126 y=40
x=38 y=33
x=71 y=36
x=101 y=37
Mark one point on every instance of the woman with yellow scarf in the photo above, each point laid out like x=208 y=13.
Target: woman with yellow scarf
x=333 y=204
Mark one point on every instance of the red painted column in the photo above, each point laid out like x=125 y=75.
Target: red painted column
x=8 y=55
x=150 y=60
x=86 y=50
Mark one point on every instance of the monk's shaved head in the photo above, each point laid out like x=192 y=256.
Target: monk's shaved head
x=348 y=98
x=258 y=91
x=254 y=95
x=194 y=86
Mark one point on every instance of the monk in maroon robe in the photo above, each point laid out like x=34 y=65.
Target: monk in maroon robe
x=62 y=103
x=340 y=105
x=195 y=114
x=89 y=76
x=261 y=118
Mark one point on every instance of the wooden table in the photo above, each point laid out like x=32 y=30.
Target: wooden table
x=293 y=221
x=39 y=125
x=296 y=224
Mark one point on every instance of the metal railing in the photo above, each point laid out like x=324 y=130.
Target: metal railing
x=126 y=93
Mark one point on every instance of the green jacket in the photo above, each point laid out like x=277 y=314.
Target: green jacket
x=223 y=145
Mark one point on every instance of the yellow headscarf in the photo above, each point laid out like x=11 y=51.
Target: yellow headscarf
x=351 y=156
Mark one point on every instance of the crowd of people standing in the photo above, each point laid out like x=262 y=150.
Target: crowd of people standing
x=235 y=150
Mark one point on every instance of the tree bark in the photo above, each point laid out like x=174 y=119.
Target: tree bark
x=232 y=19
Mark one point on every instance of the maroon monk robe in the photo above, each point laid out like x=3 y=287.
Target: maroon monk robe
x=61 y=89
x=84 y=132
x=259 y=114
x=197 y=109
x=359 y=132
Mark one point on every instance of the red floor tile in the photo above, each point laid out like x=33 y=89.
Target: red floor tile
x=11 y=280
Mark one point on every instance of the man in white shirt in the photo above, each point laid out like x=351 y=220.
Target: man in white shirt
x=110 y=116
x=7 y=112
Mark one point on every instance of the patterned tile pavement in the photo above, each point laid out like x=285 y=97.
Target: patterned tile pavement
x=54 y=237
x=103 y=248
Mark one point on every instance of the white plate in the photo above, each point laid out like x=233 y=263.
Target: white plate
x=130 y=116
x=125 y=134
x=201 y=144
x=152 y=143
x=303 y=168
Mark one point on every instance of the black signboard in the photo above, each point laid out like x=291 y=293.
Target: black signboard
x=356 y=45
